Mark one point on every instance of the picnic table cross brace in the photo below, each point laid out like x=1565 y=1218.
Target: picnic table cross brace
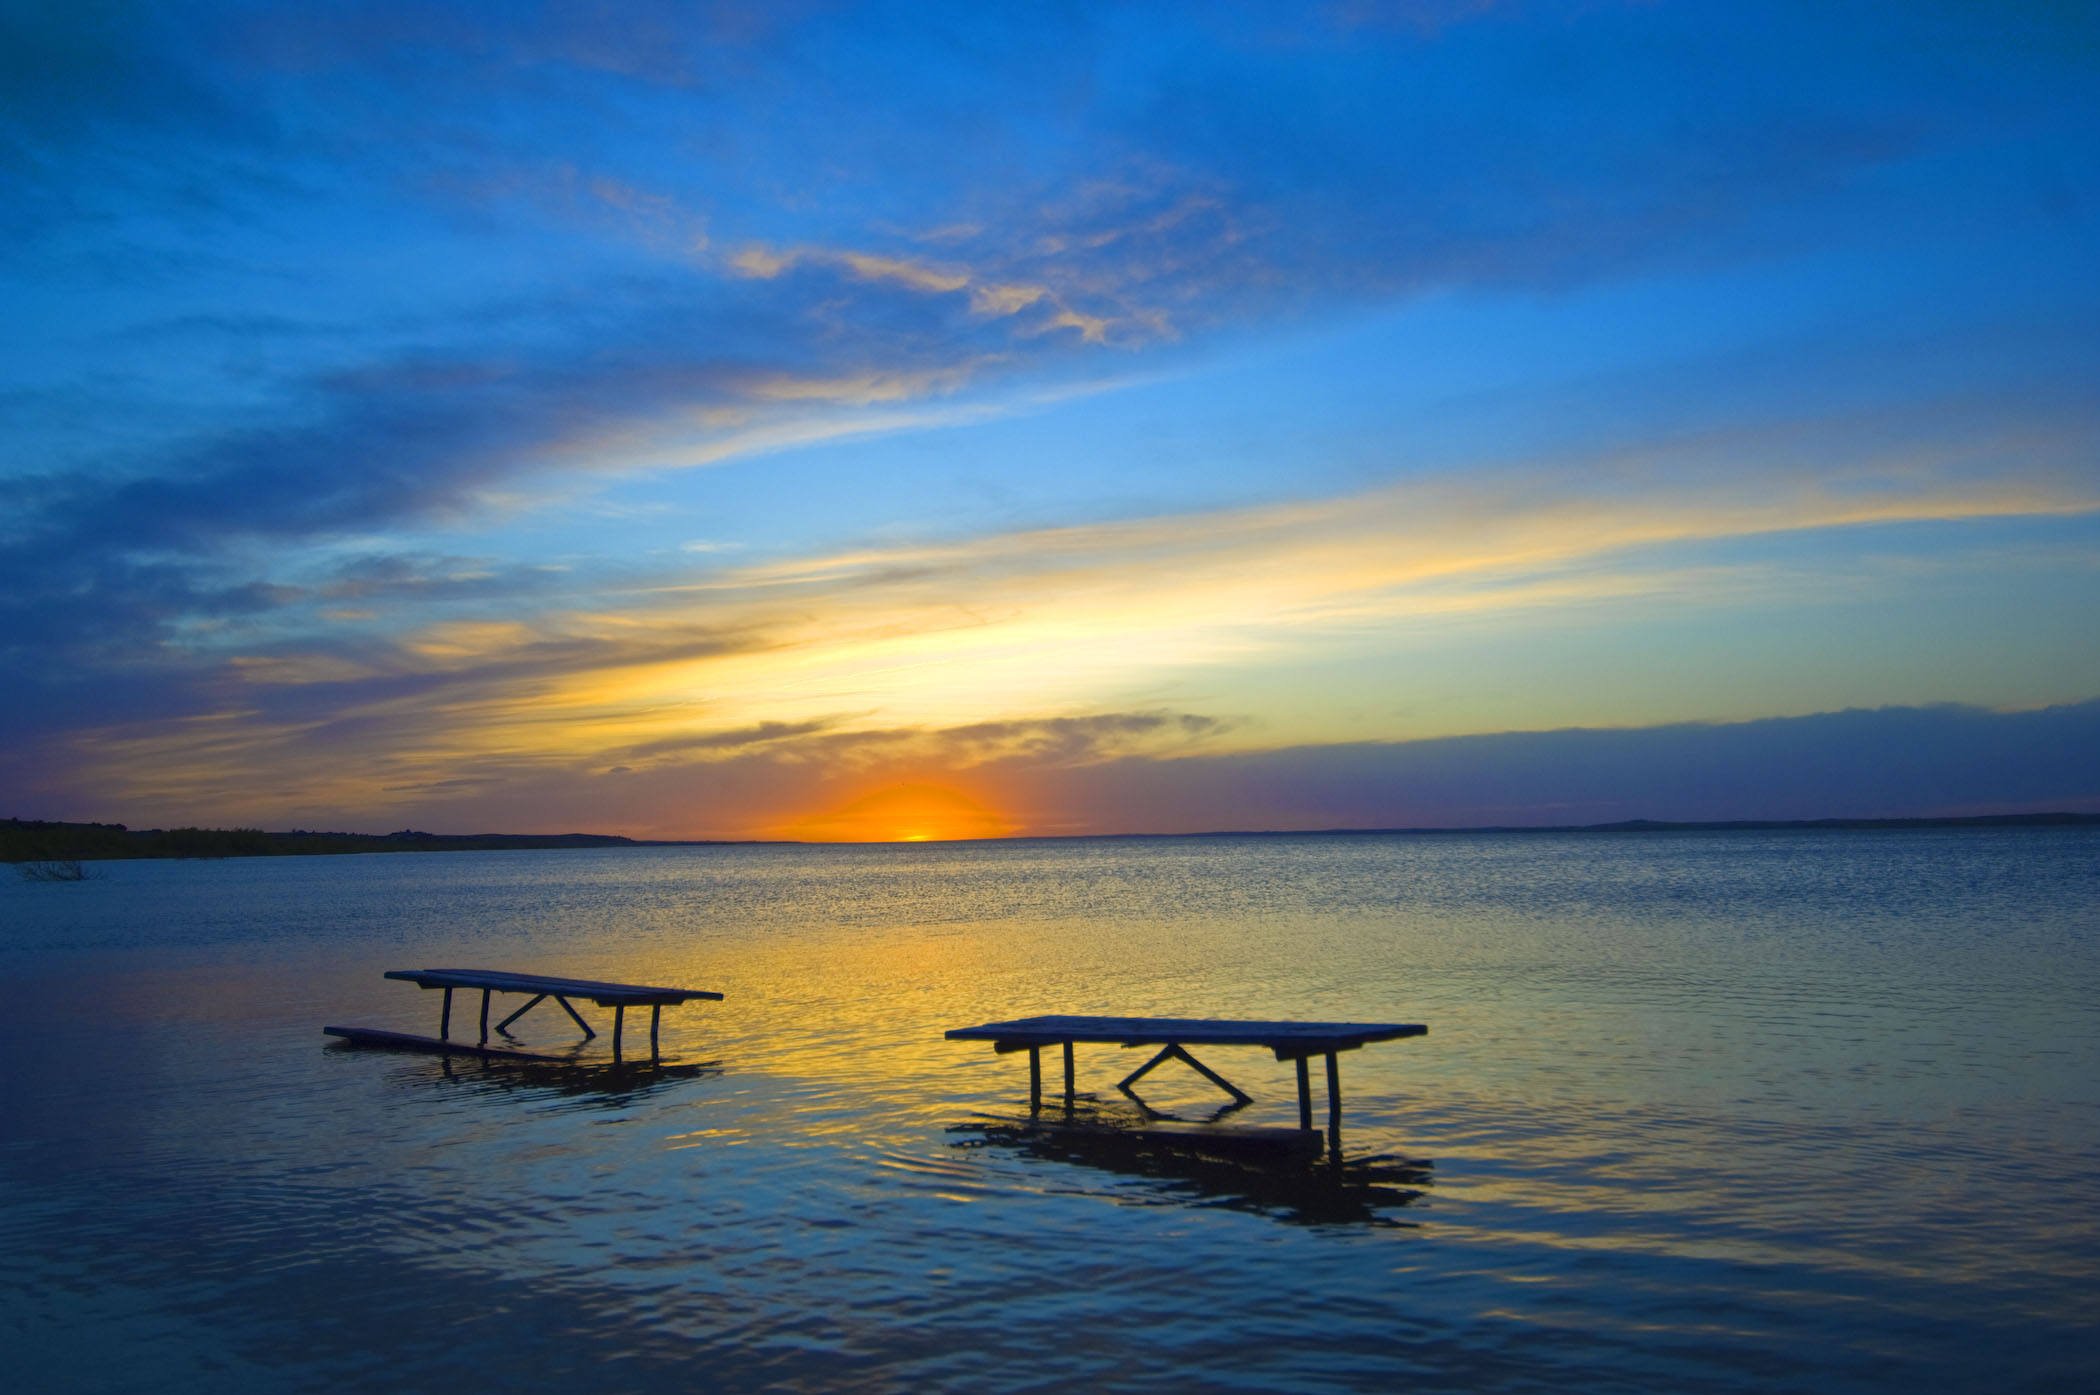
x=1174 y=1051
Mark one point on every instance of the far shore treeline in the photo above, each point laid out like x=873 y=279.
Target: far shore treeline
x=50 y=841
x=43 y=840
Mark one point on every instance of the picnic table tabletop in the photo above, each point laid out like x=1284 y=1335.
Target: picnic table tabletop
x=1286 y=1039
x=503 y=981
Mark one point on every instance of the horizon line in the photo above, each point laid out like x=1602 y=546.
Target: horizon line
x=2061 y=818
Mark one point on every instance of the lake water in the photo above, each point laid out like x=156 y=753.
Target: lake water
x=1695 y=1111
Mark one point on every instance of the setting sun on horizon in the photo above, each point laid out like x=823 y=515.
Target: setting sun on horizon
x=913 y=813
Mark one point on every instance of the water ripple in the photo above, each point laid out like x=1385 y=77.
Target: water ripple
x=1727 y=1112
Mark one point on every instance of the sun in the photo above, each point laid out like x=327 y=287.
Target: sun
x=915 y=813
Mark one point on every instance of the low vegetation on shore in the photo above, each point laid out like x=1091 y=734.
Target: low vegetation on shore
x=47 y=844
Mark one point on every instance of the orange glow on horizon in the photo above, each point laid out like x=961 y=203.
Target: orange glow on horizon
x=903 y=814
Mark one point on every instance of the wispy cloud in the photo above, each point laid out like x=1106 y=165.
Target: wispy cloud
x=1050 y=780
x=961 y=653
x=989 y=298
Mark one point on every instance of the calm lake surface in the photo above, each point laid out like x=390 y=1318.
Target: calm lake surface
x=1716 y=1111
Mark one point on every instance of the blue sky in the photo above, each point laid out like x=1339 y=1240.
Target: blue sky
x=697 y=420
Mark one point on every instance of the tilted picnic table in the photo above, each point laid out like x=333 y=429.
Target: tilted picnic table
x=617 y=996
x=1291 y=1041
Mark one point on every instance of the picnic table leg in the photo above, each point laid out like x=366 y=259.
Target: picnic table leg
x=619 y=1020
x=484 y=1017
x=1334 y=1109
x=1068 y=1075
x=1035 y=1079
x=656 y=1017
x=1304 y=1096
x=445 y=1018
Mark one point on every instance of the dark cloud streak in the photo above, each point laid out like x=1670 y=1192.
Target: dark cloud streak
x=1888 y=762
x=1110 y=774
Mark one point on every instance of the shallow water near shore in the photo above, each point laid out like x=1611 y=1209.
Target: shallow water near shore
x=1727 y=1111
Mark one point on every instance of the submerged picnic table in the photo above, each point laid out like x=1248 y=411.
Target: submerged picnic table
x=1291 y=1041
x=617 y=996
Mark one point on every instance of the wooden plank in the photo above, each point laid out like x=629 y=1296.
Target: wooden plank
x=1289 y=1040
x=503 y=981
x=404 y=1041
x=1237 y=1141
x=1245 y=1143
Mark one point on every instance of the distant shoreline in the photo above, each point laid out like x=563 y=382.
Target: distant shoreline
x=46 y=840
x=43 y=840
x=2053 y=819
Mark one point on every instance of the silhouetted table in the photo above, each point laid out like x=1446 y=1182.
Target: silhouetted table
x=617 y=996
x=1291 y=1041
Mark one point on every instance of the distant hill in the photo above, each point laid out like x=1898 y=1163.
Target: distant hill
x=44 y=840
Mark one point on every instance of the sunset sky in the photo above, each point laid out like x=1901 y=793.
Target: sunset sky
x=907 y=421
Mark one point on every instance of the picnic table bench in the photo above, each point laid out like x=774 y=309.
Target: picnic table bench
x=1291 y=1041
x=617 y=996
